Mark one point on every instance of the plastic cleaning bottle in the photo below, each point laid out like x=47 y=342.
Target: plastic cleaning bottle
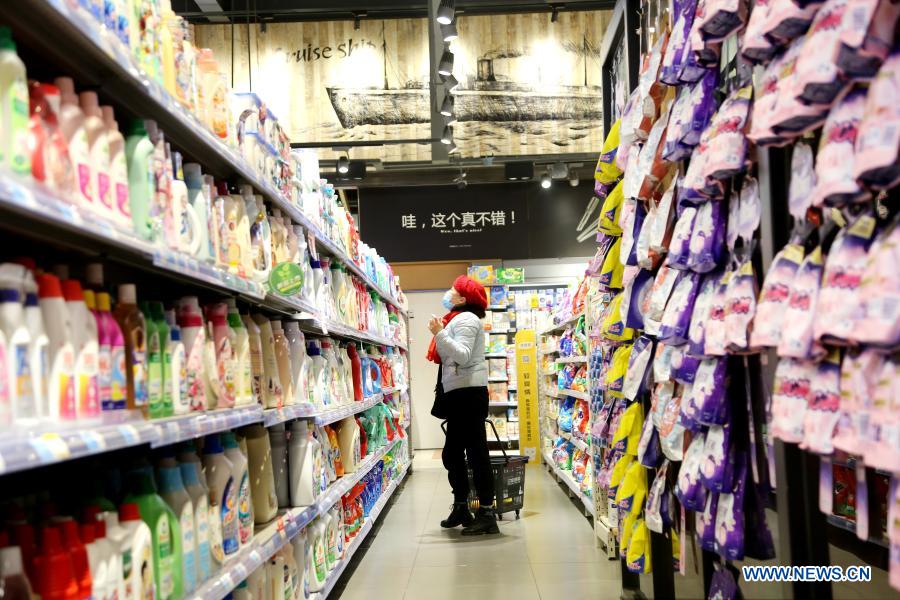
x=259 y=268
x=79 y=556
x=71 y=123
x=257 y=584
x=335 y=447
x=104 y=366
x=273 y=392
x=283 y=358
x=224 y=338
x=165 y=532
x=334 y=373
x=118 y=171
x=231 y=238
x=98 y=151
x=160 y=167
x=350 y=444
x=61 y=355
x=227 y=251
x=138 y=557
x=256 y=357
x=356 y=367
x=262 y=478
x=243 y=367
x=13 y=582
x=14 y=152
x=275 y=575
x=134 y=329
x=195 y=485
x=155 y=383
x=278 y=242
x=330 y=544
x=280 y=470
x=201 y=201
x=106 y=550
x=241 y=476
x=223 y=517
x=172 y=490
x=193 y=334
x=158 y=311
x=86 y=347
x=298 y=549
x=305 y=463
x=299 y=362
x=317 y=377
x=49 y=159
x=139 y=151
x=185 y=234
x=265 y=232
x=55 y=578
x=98 y=567
x=176 y=368
x=246 y=196
x=114 y=534
x=20 y=372
x=318 y=569
x=39 y=346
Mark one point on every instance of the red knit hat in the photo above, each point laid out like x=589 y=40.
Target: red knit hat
x=471 y=290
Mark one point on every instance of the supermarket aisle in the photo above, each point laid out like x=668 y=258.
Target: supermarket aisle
x=412 y=558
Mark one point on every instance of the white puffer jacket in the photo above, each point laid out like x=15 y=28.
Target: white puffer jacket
x=461 y=348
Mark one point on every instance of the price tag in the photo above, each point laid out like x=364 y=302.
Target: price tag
x=50 y=447
x=280 y=527
x=130 y=433
x=228 y=581
x=93 y=440
x=255 y=556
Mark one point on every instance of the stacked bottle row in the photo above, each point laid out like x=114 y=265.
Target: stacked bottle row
x=67 y=353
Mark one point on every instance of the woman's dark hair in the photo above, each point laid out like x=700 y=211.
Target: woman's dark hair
x=472 y=308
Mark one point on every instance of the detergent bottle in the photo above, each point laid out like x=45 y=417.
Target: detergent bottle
x=243 y=366
x=279 y=444
x=172 y=490
x=241 y=475
x=39 y=347
x=134 y=329
x=262 y=478
x=256 y=357
x=20 y=372
x=224 y=338
x=98 y=151
x=317 y=377
x=139 y=153
x=193 y=335
x=138 y=557
x=60 y=355
x=305 y=460
x=14 y=152
x=176 y=369
x=72 y=126
x=283 y=358
x=155 y=347
x=86 y=347
x=50 y=161
x=195 y=484
x=299 y=363
x=118 y=171
x=272 y=390
x=223 y=517
x=199 y=194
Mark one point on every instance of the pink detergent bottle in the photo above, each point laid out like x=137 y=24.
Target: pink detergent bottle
x=357 y=372
x=223 y=336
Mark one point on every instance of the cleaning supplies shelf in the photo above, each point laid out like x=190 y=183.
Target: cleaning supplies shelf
x=571 y=359
x=562 y=325
x=188 y=427
x=566 y=478
x=343 y=485
x=580 y=444
x=335 y=575
x=575 y=394
x=81 y=48
x=342 y=412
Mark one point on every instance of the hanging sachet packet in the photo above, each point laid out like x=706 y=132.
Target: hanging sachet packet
x=866 y=43
x=774 y=297
x=611 y=271
x=628 y=435
x=690 y=116
x=717 y=468
x=709 y=391
x=671 y=431
x=707 y=245
x=618 y=474
x=677 y=316
x=631 y=494
x=662 y=363
x=726 y=145
x=638 y=368
x=673 y=60
x=789 y=398
x=730 y=514
x=613 y=327
x=883 y=450
x=649 y=453
x=722 y=18
x=637 y=559
x=797 y=332
x=628 y=252
x=655 y=302
x=789 y=117
x=770 y=85
x=679 y=255
x=723 y=586
x=689 y=417
x=700 y=314
x=705 y=523
x=640 y=288
x=859 y=377
x=631 y=115
x=610 y=211
x=615 y=377
x=819 y=81
x=756 y=47
x=607 y=172
x=878 y=138
x=714 y=335
x=787 y=20
x=822 y=404
x=684 y=366
x=740 y=308
x=656 y=496
x=880 y=292
x=690 y=490
x=836 y=184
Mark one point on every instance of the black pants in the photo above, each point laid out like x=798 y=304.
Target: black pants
x=466 y=439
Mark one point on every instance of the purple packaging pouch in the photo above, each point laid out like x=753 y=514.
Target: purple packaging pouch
x=717 y=470
x=690 y=490
x=700 y=314
x=709 y=391
x=723 y=586
x=649 y=453
x=640 y=287
x=730 y=514
x=638 y=368
x=684 y=366
x=673 y=61
x=677 y=317
x=679 y=256
x=707 y=245
x=705 y=523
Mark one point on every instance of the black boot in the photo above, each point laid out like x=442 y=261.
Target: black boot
x=485 y=522
x=460 y=515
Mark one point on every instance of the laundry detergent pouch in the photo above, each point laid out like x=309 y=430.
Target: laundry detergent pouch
x=740 y=308
x=638 y=368
x=839 y=307
x=604 y=243
x=722 y=18
x=878 y=138
x=714 y=329
x=671 y=431
x=565 y=414
x=709 y=391
x=717 y=468
x=684 y=366
x=615 y=377
x=611 y=272
x=705 y=523
x=706 y=53
x=663 y=222
x=689 y=490
x=789 y=393
x=836 y=184
x=607 y=172
x=700 y=314
x=614 y=325
x=880 y=291
x=680 y=246
x=655 y=303
x=819 y=80
x=768 y=93
x=722 y=585
x=803 y=181
x=637 y=559
x=653 y=168
x=866 y=42
x=730 y=515
x=859 y=377
x=653 y=513
x=789 y=117
x=610 y=211
x=673 y=60
x=690 y=116
x=618 y=474
x=822 y=404
x=651 y=89
x=649 y=453
x=727 y=141
x=756 y=47
x=637 y=213
x=883 y=451
x=628 y=434
x=797 y=332
x=773 y=298
x=689 y=417
x=787 y=20
x=639 y=289
x=677 y=316
x=633 y=491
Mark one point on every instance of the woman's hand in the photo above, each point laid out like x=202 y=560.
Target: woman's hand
x=435 y=325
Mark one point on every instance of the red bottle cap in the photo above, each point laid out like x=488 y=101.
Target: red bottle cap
x=49 y=286
x=129 y=512
x=72 y=290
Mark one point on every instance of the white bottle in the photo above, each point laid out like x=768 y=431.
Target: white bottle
x=257 y=584
x=98 y=564
x=40 y=361
x=61 y=386
x=298 y=545
x=275 y=574
x=201 y=200
x=299 y=360
x=98 y=151
x=271 y=388
x=118 y=171
x=291 y=572
x=317 y=375
x=86 y=347
x=19 y=371
x=280 y=471
x=305 y=462
x=172 y=490
x=109 y=555
x=137 y=553
x=223 y=520
x=241 y=475
x=256 y=357
x=14 y=153
x=328 y=519
x=115 y=538
x=71 y=124
x=193 y=336
x=176 y=374
x=337 y=513
x=262 y=478
x=195 y=484
x=318 y=574
x=241 y=348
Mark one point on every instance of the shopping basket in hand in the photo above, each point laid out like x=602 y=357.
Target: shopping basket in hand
x=509 y=480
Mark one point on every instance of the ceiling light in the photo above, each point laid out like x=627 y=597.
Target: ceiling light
x=343 y=164
x=451 y=120
x=546 y=182
x=445 y=67
x=574 y=181
x=453 y=148
x=447 y=106
x=445 y=12
x=447 y=135
x=451 y=83
x=356 y=22
x=449 y=32
x=554 y=16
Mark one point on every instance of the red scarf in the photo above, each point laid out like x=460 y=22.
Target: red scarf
x=433 y=355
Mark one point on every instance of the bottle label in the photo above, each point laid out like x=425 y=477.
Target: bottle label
x=5 y=414
x=23 y=384
x=139 y=376
x=230 y=540
x=245 y=513
x=226 y=368
x=194 y=377
x=118 y=381
x=247 y=381
x=19 y=157
x=88 y=388
x=167 y=397
x=166 y=567
x=142 y=568
x=103 y=191
x=187 y=546
x=154 y=374
x=288 y=583
x=104 y=376
x=201 y=521
x=127 y=566
x=319 y=558
x=216 y=550
x=122 y=200
x=80 y=153
x=65 y=360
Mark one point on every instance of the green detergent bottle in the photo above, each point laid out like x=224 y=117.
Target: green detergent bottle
x=155 y=383
x=165 y=531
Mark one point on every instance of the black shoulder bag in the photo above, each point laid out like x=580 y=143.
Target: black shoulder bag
x=441 y=408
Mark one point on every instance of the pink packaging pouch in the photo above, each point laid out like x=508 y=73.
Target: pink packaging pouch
x=819 y=80
x=880 y=292
x=787 y=20
x=709 y=391
x=803 y=181
x=627 y=138
x=700 y=314
x=703 y=106
x=659 y=396
x=740 y=309
x=730 y=515
x=655 y=305
x=789 y=392
x=655 y=498
x=797 y=332
x=714 y=338
x=707 y=246
x=673 y=62
x=677 y=316
x=768 y=94
x=689 y=490
x=822 y=404
x=859 y=377
x=671 y=431
x=727 y=141
x=883 y=451
x=774 y=297
x=836 y=184
x=787 y=117
x=839 y=307
x=717 y=469
x=722 y=18
x=679 y=255
x=705 y=523
x=878 y=138
x=706 y=53
x=867 y=37
x=756 y=47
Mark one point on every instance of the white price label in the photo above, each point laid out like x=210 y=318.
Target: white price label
x=50 y=447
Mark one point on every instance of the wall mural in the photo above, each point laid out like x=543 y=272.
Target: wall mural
x=527 y=86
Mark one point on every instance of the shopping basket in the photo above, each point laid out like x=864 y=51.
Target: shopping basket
x=509 y=480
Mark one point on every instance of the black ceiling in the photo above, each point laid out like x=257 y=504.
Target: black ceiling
x=325 y=10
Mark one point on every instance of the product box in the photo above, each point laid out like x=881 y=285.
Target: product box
x=499 y=425
x=512 y=429
x=499 y=321
x=497 y=295
x=510 y=275
x=496 y=368
x=498 y=392
x=497 y=344
x=483 y=274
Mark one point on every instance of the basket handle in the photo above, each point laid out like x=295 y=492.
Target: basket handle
x=496 y=435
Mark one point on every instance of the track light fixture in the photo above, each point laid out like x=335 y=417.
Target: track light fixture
x=356 y=22
x=451 y=83
x=343 y=165
x=448 y=32
x=451 y=120
x=453 y=149
x=447 y=106
x=445 y=67
x=546 y=182
x=574 y=181
x=447 y=135
x=554 y=15
x=445 y=12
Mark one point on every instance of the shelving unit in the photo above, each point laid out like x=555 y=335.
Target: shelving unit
x=574 y=489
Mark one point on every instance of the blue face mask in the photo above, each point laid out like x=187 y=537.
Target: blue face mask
x=447 y=301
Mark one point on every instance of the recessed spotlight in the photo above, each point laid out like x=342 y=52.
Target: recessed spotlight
x=445 y=12
x=445 y=67
x=546 y=182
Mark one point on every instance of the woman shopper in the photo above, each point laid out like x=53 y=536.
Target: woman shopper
x=462 y=398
